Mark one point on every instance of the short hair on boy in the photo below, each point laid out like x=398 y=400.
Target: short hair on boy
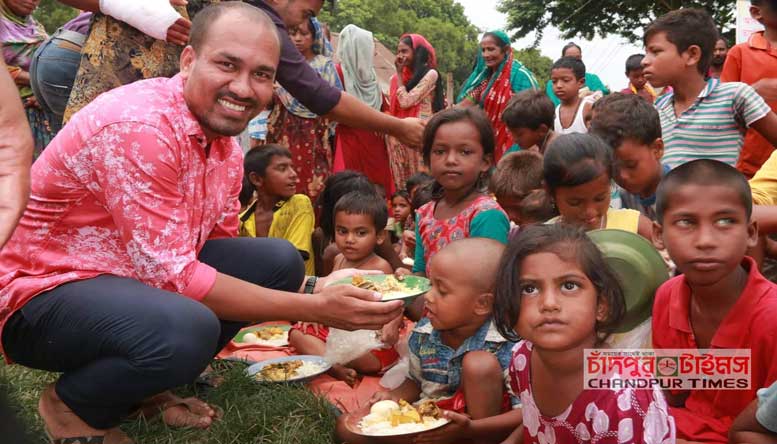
x=424 y=194
x=620 y=117
x=483 y=252
x=369 y=204
x=687 y=27
x=634 y=63
x=529 y=109
x=256 y=161
x=704 y=172
x=417 y=179
x=575 y=65
x=517 y=174
x=570 y=45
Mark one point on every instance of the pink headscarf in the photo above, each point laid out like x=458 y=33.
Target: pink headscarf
x=407 y=74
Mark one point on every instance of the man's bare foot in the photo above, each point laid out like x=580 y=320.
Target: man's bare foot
x=60 y=422
x=345 y=374
x=179 y=412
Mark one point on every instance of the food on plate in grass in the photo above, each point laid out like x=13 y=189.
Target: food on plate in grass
x=284 y=371
x=392 y=418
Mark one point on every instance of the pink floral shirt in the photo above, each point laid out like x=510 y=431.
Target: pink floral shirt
x=127 y=188
x=622 y=416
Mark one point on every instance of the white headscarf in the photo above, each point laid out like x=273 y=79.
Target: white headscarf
x=356 y=51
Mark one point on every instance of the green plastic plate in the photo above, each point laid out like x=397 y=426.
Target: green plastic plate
x=418 y=285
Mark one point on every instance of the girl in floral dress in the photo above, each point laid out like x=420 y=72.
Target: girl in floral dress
x=558 y=297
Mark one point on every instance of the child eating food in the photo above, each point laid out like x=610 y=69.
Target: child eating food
x=457 y=358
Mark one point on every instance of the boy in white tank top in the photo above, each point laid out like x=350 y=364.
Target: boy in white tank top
x=568 y=77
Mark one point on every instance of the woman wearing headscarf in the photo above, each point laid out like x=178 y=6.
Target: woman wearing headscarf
x=496 y=77
x=21 y=35
x=415 y=91
x=292 y=125
x=357 y=149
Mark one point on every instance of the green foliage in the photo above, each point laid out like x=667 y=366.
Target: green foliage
x=54 y=14
x=536 y=62
x=601 y=17
x=442 y=22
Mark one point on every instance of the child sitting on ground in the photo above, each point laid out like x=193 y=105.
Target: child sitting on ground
x=721 y=300
x=360 y=221
x=638 y=84
x=529 y=118
x=632 y=128
x=578 y=171
x=557 y=295
x=517 y=185
x=270 y=206
x=568 y=77
x=457 y=358
x=701 y=118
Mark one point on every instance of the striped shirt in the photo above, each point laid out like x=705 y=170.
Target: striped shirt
x=714 y=127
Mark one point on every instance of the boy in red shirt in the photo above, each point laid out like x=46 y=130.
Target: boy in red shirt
x=721 y=300
x=755 y=63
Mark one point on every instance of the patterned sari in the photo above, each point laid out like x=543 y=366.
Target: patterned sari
x=491 y=90
x=20 y=37
x=304 y=133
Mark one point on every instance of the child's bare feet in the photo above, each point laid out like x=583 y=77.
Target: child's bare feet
x=60 y=422
x=345 y=374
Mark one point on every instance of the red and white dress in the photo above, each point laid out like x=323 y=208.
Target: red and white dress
x=596 y=416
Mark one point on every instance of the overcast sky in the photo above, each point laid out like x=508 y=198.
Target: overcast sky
x=604 y=57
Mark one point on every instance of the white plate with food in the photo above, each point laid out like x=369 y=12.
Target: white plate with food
x=394 y=419
x=300 y=368
x=268 y=335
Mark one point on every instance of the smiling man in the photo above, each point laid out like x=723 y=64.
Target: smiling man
x=125 y=273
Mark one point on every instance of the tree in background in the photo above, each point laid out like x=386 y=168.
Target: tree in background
x=537 y=63
x=602 y=17
x=54 y=14
x=442 y=22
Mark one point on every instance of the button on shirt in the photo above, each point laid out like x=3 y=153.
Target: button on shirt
x=437 y=368
x=127 y=189
x=749 y=324
x=713 y=127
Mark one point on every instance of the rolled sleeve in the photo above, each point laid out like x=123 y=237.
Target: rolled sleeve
x=202 y=281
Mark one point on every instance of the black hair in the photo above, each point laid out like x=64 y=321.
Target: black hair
x=210 y=14
x=575 y=159
x=569 y=243
x=634 y=63
x=516 y=175
x=369 y=204
x=401 y=193
x=256 y=161
x=529 y=109
x=575 y=65
x=687 y=27
x=472 y=114
x=421 y=58
x=570 y=45
x=705 y=172
x=620 y=117
x=423 y=195
x=417 y=179
x=335 y=187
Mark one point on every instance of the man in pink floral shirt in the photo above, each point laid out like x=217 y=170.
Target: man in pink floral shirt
x=125 y=273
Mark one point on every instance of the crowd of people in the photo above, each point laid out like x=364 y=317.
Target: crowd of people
x=150 y=239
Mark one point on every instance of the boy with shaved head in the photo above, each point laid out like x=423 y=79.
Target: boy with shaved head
x=457 y=357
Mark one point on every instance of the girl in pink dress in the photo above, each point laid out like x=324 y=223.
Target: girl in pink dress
x=557 y=295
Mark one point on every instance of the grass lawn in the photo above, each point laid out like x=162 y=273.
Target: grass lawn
x=253 y=413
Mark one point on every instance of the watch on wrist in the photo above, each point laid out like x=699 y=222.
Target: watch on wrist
x=310 y=284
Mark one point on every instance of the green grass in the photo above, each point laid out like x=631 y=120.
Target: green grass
x=253 y=413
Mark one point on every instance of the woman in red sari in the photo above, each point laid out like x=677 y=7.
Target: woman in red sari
x=496 y=77
x=357 y=149
x=416 y=91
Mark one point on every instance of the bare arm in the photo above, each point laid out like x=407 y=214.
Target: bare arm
x=747 y=429
x=340 y=306
x=352 y=112
x=16 y=147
